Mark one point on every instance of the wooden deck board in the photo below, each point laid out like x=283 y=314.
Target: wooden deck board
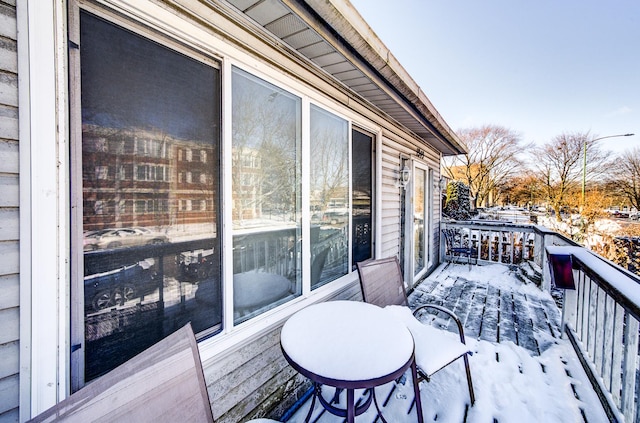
x=494 y=313
x=473 y=322
x=489 y=324
x=526 y=337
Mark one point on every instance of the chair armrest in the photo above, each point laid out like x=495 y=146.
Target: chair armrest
x=446 y=311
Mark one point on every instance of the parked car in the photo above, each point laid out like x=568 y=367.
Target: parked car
x=336 y=216
x=618 y=213
x=122 y=237
x=117 y=286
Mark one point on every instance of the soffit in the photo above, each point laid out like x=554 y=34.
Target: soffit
x=330 y=39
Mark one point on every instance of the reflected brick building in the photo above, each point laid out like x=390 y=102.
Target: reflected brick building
x=135 y=177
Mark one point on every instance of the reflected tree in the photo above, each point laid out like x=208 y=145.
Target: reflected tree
x=266 y=130
x=329 y=172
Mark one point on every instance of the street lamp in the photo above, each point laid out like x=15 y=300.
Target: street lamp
x=584 y=161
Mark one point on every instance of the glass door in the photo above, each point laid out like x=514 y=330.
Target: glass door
x=421 y=220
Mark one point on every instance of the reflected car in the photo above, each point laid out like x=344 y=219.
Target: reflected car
x=194 y=266
x=116 y=287
x=122 y=237
x=336 y=216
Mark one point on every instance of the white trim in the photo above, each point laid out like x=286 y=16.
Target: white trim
x=44 y=211
x=427 y=207
x=24 y=100
x=45 y=179
x=377 y=229
x=219 y=346
x=306 y=196
x=227 y=191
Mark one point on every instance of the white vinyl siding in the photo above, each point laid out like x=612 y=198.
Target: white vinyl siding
x=9 y=217
x=244 y=369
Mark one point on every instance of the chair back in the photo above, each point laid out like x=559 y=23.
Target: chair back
x=164 y=383
x=381 y=282
x=449 y=236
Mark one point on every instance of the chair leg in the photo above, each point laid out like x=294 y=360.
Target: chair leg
x=469 y=382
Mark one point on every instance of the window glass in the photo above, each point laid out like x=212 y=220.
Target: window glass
x=419 y=234
x=266 y=191
x=361 y=197
x=329 y=180
x=152 y=266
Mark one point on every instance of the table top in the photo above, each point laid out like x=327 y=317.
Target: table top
x=346 y=341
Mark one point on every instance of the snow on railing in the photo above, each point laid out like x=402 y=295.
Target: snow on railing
x=601 y=317
x=495 y=242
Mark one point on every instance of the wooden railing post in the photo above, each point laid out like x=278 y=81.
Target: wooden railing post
x=570 y=307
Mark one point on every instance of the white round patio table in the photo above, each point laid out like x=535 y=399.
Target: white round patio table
x=348 y=345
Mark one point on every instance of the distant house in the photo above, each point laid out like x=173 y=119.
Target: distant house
x=224 y=163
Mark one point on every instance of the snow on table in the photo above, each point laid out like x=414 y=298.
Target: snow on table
x=346 y=340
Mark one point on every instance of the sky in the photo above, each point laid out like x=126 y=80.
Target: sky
x=540 y=68
x=513 y=389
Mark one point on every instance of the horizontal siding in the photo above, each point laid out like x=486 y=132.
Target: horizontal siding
x=10 y=319
x=9 y=191
x=8 y=397
x=8 y=55
x=8 y=157
x=8 y=27
x=390 y=230
x=9 y=292
x=8 y=122
x=9 y=219
x=9 y=89
x=9 y=216
x=391 y=206
x=251 y=380
x=9 y=251
x=9 y=363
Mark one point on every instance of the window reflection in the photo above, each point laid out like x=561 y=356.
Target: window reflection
x=419 y=235
x=329 y=179
x=362 y=198
x=151 y=263
x=266 y=195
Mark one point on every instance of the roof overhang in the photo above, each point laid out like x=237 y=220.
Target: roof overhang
x=333 y=36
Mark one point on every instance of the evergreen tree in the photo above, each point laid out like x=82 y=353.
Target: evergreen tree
x=458 y=202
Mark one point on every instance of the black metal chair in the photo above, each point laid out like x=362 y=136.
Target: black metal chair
x=382 y=284
x=458 y=246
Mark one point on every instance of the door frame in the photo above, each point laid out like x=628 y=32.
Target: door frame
x=410 y=265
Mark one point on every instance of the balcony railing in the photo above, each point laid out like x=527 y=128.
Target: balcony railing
x=601 y=317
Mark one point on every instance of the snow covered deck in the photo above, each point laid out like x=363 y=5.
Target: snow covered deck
x=523 y=371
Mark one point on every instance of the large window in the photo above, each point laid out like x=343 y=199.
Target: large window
x=152 y=266
x=266 y=193
x=147 y=173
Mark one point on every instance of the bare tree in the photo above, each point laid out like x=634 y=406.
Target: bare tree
x=491 y=161
x=626 y=176
x=560 y=167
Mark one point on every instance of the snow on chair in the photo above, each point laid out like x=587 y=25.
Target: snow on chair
x=382 y=284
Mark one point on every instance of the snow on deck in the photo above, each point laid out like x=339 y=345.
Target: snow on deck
x=523 y=371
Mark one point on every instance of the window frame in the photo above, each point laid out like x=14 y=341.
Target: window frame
x=153 y=22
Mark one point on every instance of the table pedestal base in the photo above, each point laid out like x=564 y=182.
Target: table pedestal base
x=352 y=409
